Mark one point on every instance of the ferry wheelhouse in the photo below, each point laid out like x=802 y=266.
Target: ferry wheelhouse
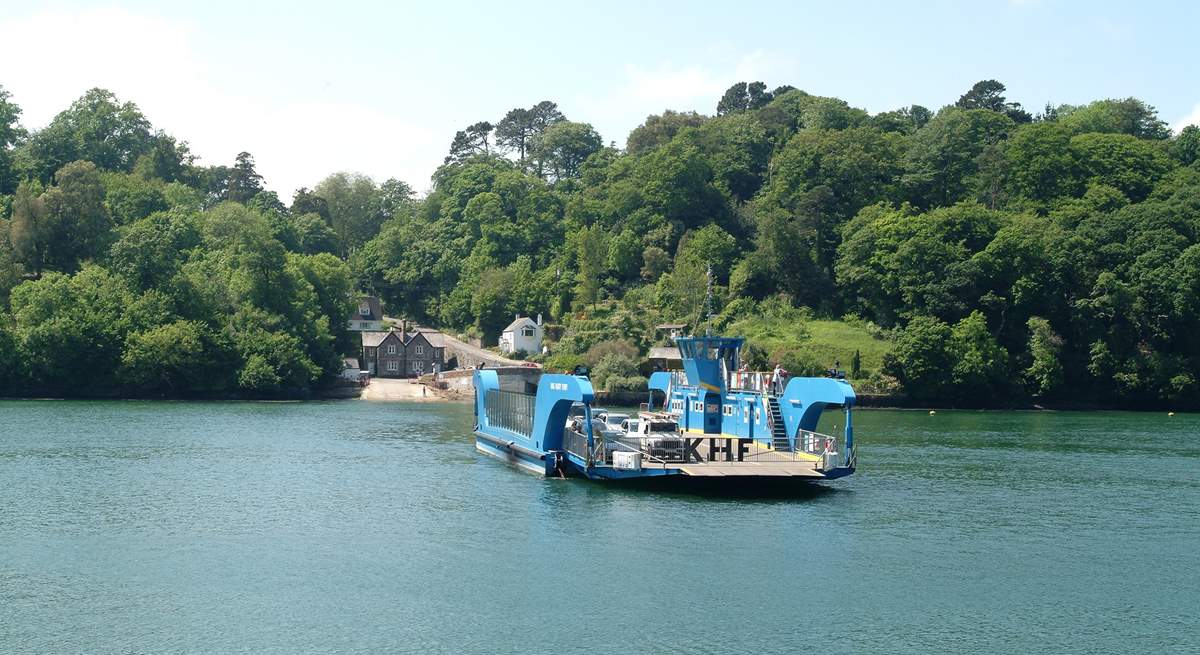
x=714 y=421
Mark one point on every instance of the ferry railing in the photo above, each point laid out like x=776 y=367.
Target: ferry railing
x=576 y=444
x=718 y=450
x=819 y=451
x=510 y=410
x=830 y=448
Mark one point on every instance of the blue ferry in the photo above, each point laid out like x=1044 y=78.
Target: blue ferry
x=714 y=421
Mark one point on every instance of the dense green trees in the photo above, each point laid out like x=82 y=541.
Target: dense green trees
x=1005 y=255
x=131 y=270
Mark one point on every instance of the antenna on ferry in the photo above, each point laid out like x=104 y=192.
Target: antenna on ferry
x=708 y=313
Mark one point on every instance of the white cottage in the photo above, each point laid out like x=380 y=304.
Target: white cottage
x=367 y=316
x=522 y=334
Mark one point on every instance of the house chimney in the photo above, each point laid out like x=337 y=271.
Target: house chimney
x=403 y=326
x=539 y=321
x=517 y=317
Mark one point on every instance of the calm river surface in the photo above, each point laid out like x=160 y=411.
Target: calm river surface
x=351 y=526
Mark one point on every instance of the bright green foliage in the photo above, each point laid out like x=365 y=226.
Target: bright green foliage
x=1129 y=116
x=10 y=134
x=1045 y=372
x=565 y=146
x=612 y=372
x=1041 y=163
x=98 y=128
x=1186 y=147
x=168 y=358
x=129 y=197
x=354 y=208
x=980 y=363
x=709 y=246
x=590 y=255
x=1126 y=163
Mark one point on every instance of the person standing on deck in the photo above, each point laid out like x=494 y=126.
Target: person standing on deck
x=776 y=375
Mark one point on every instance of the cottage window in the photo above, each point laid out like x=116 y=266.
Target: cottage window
x=393 y=365
x=420 y=349
x=418 y=367
x=527 y=331
x=391 y=349
x=364 y=310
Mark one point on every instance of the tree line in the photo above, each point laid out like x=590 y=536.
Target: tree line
x=1004 y=254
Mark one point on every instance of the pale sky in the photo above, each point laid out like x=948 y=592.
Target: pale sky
x=310 y=88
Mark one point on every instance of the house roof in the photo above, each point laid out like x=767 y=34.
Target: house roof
x=435 y=338
x=664 y=352
x=520 y=322
x=372 y=303
x=373 y=339
x=350 y=362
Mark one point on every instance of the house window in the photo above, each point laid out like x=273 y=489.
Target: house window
x=418 y=367
x=527 y=332
x=364 y=310
x=420 y=349
x=393 y=365
x=391 y=349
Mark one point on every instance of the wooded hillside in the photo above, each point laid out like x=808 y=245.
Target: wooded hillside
x=995 y=253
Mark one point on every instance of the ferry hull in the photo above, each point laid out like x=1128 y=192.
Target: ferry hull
x=512 y=453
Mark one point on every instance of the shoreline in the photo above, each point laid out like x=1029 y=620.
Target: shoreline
x=404 y=390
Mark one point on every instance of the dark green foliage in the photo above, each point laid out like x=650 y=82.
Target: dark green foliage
x=1007 y=259
x=921 y=359
x=987 y=95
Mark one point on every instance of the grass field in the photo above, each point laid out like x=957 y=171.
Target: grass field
x=817 y=341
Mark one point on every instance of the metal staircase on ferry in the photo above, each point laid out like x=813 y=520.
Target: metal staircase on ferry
x=779 y=438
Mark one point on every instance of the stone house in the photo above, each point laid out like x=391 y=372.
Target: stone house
x=402 y=354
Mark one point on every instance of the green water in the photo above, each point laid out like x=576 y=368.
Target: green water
x=130 y=527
